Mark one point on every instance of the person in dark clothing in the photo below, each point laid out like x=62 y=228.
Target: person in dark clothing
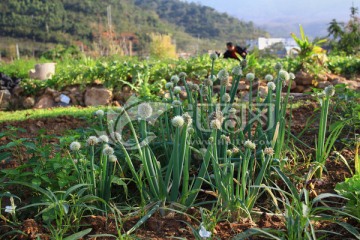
x=233 y=50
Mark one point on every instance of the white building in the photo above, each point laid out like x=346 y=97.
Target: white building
x=262 y=43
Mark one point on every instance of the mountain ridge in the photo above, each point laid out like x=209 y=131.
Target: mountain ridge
x=70 y=21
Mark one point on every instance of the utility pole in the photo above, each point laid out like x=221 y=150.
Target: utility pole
x=108 y=10
x=17 y=51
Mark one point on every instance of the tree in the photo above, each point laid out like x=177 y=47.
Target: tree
x=161 y=46
x=346 y=38
x=335 y=29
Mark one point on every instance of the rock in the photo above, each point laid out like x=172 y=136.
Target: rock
x=17 y=91
x=72 y=89
x=331 y=77
x=353 y=85
x=299 y=89
x=322 y=84
x=7 y=82
x=307 y=90
x=52 y=92
x=5 y=97
x=73 y=99
x=118 y=96
x=45 y=101
x=97 y=96
x=293 y=85
x=321 y=77
x=243 y=86
x=303 y=78
x=339 y=81
x=28 y=102
x=263 y=91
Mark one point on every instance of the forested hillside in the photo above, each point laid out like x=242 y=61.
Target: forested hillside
x=69 y=21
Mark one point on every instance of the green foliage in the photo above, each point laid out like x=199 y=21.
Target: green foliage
x=161 y=47
x=300 y=212
x=312 y=57
x=348 y=66
x=201 y=20
x=68 y=22
x=350 y=189
x=174 y=152
x=346 y=37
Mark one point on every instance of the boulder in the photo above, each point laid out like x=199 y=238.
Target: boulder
x=243 y=86
x=73 y=99
x=321 y=77
x=354 y=85
x=338 y=81
x=5 y=98
x=299 y=89
x=17 y=91
x=303 y=78
x=97 y=96
x=263 y=91
x=322 y=84
x=333 y=77
x=52 y=92
x=28 y=102
x=45 y=101
x=293 y=85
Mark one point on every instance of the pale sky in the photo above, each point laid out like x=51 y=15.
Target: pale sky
x=285 y=13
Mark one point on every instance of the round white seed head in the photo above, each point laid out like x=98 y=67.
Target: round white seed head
x=271 y=86
x=215 y=124
x=178 y=121
x=213 y=56
x=249 y=144
x=195 y=87
x=278 y=66
x=292 y=76
x=284 y=75
x=226 y=98
x=75 y=146
x=235 y=150
x=329 y=91
x=169 y=85
x=269 y=151
x=144 y=110
x=108 y=151
x=177 y=90
x=112 y=158
x=250 y=77
x=92 y=140
x=223 y=75
x=182 y=75
x=103 y=138
x=237 y=71
x=175 y=79
x=99 y=113
x=208 y=82
x=269 y=78
x=187 y=118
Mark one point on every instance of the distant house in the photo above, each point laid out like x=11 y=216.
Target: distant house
x=263 y=43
